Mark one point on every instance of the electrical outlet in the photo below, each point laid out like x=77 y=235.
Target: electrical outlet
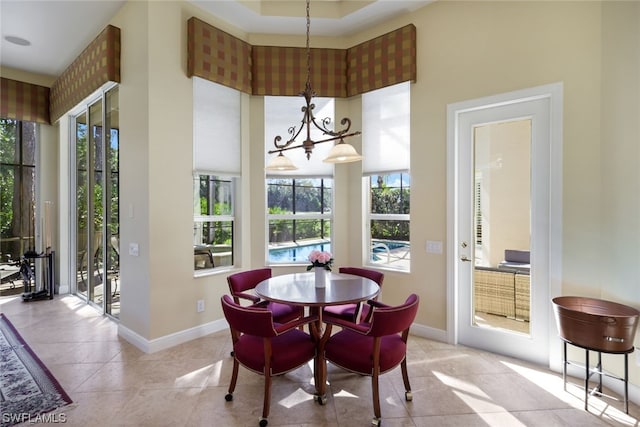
x=200 y=306
x=134 y=249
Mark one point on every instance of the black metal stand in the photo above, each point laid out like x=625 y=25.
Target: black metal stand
x=597 y=371
x=47 y=290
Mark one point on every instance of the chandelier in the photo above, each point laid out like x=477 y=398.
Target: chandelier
x=342 y=152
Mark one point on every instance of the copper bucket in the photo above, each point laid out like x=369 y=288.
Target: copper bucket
x=596 y=324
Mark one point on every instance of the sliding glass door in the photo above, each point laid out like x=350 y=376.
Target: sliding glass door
x=96 y=142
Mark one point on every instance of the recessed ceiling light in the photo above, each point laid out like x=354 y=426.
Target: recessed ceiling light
x=17 y=40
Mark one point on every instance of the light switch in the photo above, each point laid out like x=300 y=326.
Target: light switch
x=133 y=249
x=434 y=247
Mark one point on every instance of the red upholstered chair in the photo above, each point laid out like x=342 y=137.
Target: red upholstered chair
x=376 y=347
x=240 y=283
x=350 y=312
x=265 y=347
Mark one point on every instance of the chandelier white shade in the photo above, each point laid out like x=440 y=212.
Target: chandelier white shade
x=280 y=163
x=343 y=153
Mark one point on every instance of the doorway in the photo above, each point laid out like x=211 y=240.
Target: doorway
x=503 y=199
x=96 y=205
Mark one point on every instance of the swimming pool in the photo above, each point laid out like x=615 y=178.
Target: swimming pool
x=386 y=250
x=379 y=252
x=296 y=253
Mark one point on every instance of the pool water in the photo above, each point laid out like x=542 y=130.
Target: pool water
x=296 y=253
x=301 y=253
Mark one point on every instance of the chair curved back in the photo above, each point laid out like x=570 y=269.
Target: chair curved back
x=351 y=312
x=392 y=320
x=250 y=320
x=245 y=280
x=374 y=275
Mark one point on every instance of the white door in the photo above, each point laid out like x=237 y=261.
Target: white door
x=501 y=187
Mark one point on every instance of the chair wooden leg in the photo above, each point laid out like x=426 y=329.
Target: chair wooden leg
x=376 y=396
x=405 y=378
x=234 y=380
x=267 y=398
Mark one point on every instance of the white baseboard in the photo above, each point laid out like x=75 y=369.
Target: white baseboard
x=171 y=340
x=428 y=333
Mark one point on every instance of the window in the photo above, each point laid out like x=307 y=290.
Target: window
x=386 y=152
x=389 y=220
x=18 y=148
x=300 y=203
x=299 y=218
x=213 y=221
x=216 y=173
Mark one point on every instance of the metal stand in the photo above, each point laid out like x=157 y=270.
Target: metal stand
x=47 y=290
x=597 y=371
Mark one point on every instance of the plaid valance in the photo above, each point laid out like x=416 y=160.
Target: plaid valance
x=282 y=71
x=218 y=56
x=24 y=101
x=383 y=61
x=270 y=70
x=98 y=64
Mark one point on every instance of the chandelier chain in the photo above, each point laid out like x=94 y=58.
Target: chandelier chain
x=308 y=47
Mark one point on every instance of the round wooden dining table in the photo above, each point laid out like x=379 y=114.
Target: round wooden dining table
x=300 y=289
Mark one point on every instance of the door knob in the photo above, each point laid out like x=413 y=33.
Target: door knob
x=464 y=258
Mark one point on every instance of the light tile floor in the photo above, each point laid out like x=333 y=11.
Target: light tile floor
x=114 y=384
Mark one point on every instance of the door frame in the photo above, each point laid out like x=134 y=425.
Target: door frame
x=455 y=111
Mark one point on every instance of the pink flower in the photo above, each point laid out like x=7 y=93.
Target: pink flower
x=320 y=259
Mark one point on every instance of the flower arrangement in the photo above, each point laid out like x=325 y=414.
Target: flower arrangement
x=320 y=259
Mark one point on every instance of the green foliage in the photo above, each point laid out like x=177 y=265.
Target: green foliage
x=390 y=230
x=7 y=180
x=390 y=200
x=311 y=196
x=7 y=175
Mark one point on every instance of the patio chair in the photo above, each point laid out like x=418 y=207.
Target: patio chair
x=265 y=347
x=377 y=347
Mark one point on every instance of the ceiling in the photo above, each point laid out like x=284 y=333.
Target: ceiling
x=59 y=30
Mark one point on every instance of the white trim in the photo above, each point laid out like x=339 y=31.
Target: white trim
x=428 y=332
x=171 y=340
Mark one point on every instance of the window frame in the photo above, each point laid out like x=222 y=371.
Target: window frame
x=368 y=246
x=302 y=216
x=33 y=241
x=201 y=220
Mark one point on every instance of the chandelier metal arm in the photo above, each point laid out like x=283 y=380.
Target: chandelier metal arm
x=287 y=146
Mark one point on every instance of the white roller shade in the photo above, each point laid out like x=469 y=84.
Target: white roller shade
x=283 y=112
x=216 y=129
x=386 y=130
